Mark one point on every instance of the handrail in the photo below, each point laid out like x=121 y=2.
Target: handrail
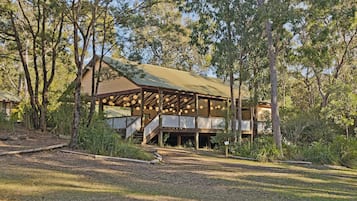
x=151 y=126
x=120 y=122
x=134 y=126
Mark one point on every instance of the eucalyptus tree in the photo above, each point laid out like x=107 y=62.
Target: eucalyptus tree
x=35 y=28
x=224 y=29
x=276 y=17
x=93 y=22
x=328 y=43
x=160 y=34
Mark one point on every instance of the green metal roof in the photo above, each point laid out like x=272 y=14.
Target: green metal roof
x=161 y=77
x=8 y=97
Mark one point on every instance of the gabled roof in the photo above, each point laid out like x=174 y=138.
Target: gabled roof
x=8 y=97
x=161 y=77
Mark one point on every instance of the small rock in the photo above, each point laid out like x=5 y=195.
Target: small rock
x=13 y=138
x=4 y=138
x=23 y=137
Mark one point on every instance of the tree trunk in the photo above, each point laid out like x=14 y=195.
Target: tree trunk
x=233 y=105
x=255 y=103
x=239 y=106
x=34 y=113
x=93 y=92
x=77 y=90
x=274 y=89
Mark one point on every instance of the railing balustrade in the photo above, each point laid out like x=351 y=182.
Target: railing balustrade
x=151 y=126
x=134 y=126
x=120 y=122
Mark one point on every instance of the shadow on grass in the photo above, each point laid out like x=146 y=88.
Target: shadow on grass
x=186 y=176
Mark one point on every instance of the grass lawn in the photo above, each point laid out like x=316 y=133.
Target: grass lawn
x=183 y=176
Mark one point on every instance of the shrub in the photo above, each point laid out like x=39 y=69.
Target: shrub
x=99 y=138
x=6 y=123
x=302 y=128
x=319 y=152
x=219 y=139
x=340 y=151
x=263 y=149
x=61 y=119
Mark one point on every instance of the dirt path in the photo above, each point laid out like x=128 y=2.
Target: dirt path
x=183 y=175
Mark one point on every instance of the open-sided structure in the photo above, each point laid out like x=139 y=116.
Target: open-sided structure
x=166 y=101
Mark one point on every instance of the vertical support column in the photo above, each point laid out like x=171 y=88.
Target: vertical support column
x=160 y=137
x=179 y=140
x=142 y=98
x=197 y=134
x=209 y=141
x=178 y=104
x=209 y=107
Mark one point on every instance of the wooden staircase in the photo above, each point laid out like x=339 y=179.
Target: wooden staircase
x=138 y=137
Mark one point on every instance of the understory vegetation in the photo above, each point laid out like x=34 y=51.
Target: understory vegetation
x=98 y=137
x=5 y=122
x=306 y=137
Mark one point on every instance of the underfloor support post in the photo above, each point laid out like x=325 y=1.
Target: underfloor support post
x=179 y=140
x=161 y=139
x=197 y=140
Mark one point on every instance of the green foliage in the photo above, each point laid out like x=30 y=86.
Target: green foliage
x=340 y=151
x=61 y=119
x=99 y=138
x=319 y=152
x=6 y=123
x=220 y=138
x=262 y=149
x=304 y=128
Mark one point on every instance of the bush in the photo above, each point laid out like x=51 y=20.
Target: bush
x=263 y=149
x=340 y=151
x=319 y=152
x=99 y=138
x=304 y=128
x=6 y=123
x=61 y=119
x=219 y=139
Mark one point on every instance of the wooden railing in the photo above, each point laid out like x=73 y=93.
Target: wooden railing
x=175 y=121
x=152 y=126
x=133 y=127
x=133 y=123
x=121 y=122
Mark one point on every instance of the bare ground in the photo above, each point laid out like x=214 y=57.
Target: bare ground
x=184 y=175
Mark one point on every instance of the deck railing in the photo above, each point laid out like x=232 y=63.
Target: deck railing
x=151 y=126
x=175 y=121
x=133 y=127
x=133 y=123
x=245 y=125
x=211 y=122
x=121 y=122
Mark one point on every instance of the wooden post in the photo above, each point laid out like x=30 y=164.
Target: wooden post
x=142 y=114
x=179 y=140
x=178 y=104
x=160 y=137
x=209 y=141
x=197 y=140
x=197 y=135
